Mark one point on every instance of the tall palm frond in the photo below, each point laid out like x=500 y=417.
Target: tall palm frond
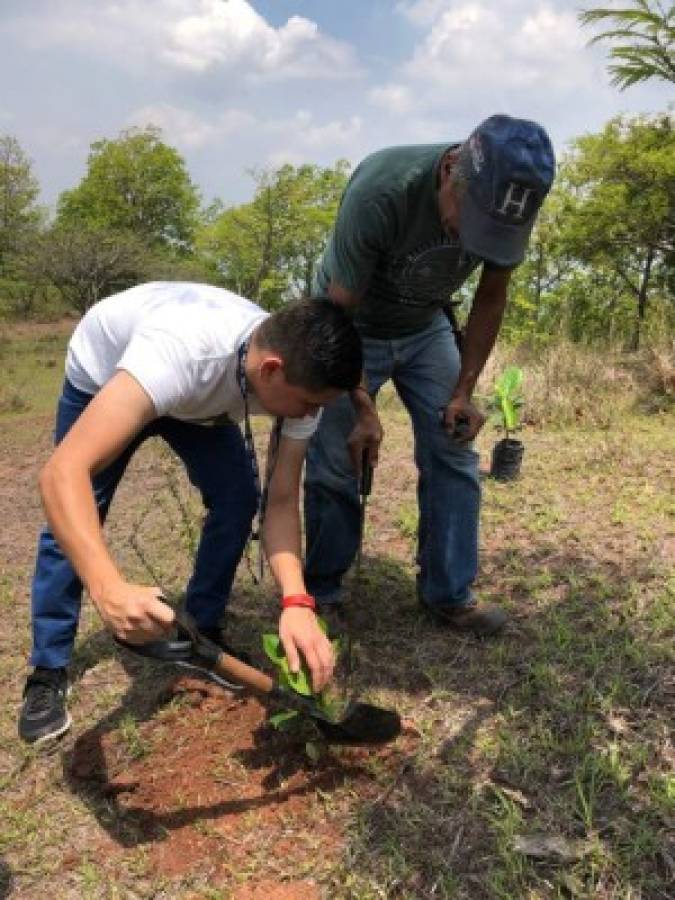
x=645 y=41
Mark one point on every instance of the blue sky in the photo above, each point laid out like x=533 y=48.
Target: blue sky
x=236 y=84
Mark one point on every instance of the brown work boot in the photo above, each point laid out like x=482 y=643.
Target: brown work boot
x=481 y=619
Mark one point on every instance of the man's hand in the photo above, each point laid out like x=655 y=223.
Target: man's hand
x=367 y=435
x=462 y=419
x=135 y=613
x=300 y=633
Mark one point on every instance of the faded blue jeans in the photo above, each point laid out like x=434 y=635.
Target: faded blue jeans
x=217 y=465
x=424 y=369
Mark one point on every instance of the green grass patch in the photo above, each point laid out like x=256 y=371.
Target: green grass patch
x=560 y=729
x=31 y=370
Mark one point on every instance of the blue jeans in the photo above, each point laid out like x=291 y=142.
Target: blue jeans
x=424 y=369
x=217 y=465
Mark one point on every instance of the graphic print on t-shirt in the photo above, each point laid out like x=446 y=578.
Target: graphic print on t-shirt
x=426 y=276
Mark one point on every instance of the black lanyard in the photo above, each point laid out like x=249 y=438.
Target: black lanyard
x=261 y=492
x=248 y=433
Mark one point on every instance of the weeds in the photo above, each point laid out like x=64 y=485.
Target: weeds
x=136 y=746
x=12 y=400
x=568 y=385
x=561 y=728
x=407 y=521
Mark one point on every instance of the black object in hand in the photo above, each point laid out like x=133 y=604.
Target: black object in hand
x=462 y=424
x=366 y=483
x=461 y=430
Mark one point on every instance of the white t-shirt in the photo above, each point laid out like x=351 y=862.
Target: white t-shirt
x=181 y=342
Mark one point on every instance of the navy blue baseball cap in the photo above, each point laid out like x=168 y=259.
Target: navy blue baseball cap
x=510 y=167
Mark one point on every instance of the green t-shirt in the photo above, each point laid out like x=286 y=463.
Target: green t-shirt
x=388 y=245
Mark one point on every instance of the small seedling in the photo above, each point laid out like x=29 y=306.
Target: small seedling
x=300 y=682
x=507 y=400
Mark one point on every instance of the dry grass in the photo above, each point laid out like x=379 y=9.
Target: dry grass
x=572 y=385
x=563 y=727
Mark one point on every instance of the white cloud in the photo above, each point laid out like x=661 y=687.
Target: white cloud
x=472 y=42
x=396 y=98
x=187 y=129
x=422 y=12
x=306 y=131
x=186 y=35
x=232 y=32
x=301 y=138
x=295 y=139
x=224 y=82
x=426 y=12
x=52 y=136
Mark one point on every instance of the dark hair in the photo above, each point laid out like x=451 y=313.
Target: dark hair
x=318 y=343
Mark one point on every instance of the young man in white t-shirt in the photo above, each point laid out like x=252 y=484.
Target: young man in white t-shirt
x=186 y=362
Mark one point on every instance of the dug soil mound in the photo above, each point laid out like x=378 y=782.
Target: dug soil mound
x=208 y=779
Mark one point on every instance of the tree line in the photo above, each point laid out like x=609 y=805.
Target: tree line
x=599 y=266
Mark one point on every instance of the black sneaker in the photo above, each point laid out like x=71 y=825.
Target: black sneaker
x=44 y=715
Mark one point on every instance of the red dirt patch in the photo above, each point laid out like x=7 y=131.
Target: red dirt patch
x=216 y=782
x=268 y=890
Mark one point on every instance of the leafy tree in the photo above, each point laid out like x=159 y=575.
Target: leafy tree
x=314 y=194
x=266 y=249
x=138 y=184
x=537 y=306
x=643 y=33
x=19 y=189
x=617 y=222
x=85 y=263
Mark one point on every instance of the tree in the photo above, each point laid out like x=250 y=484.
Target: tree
x=644 y=33
x=618 y=218
x=537 y=307
x=19 y=189
x=85 y=263
x=266 y=249
x=314 y=194
x=138 y=184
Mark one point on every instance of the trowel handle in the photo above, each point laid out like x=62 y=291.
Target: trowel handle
x=366 y=483
x=235 y=670
x=221 y=662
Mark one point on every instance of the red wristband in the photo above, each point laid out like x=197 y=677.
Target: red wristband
x=303 y=600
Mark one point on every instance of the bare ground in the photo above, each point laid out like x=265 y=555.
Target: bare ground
x=174 y=788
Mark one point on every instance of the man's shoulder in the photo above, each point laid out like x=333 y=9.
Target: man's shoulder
x=209 y=323
x=394 y=169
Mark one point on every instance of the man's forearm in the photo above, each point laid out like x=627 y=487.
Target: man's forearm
x=483 y=326
x=73 y=517
x=282 y=543
x=361 y=399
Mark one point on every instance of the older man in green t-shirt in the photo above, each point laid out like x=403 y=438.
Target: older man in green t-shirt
x=413 y=224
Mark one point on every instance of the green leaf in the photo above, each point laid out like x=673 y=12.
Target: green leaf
x=506 y=397
x=300 y=682
x=510 y=414
x=332 y=706
x=296 y=681
x=274 y=648
x=278 y=720
x=510 y=381
x=283 y=679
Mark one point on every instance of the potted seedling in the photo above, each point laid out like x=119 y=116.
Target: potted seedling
x=506 y=401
